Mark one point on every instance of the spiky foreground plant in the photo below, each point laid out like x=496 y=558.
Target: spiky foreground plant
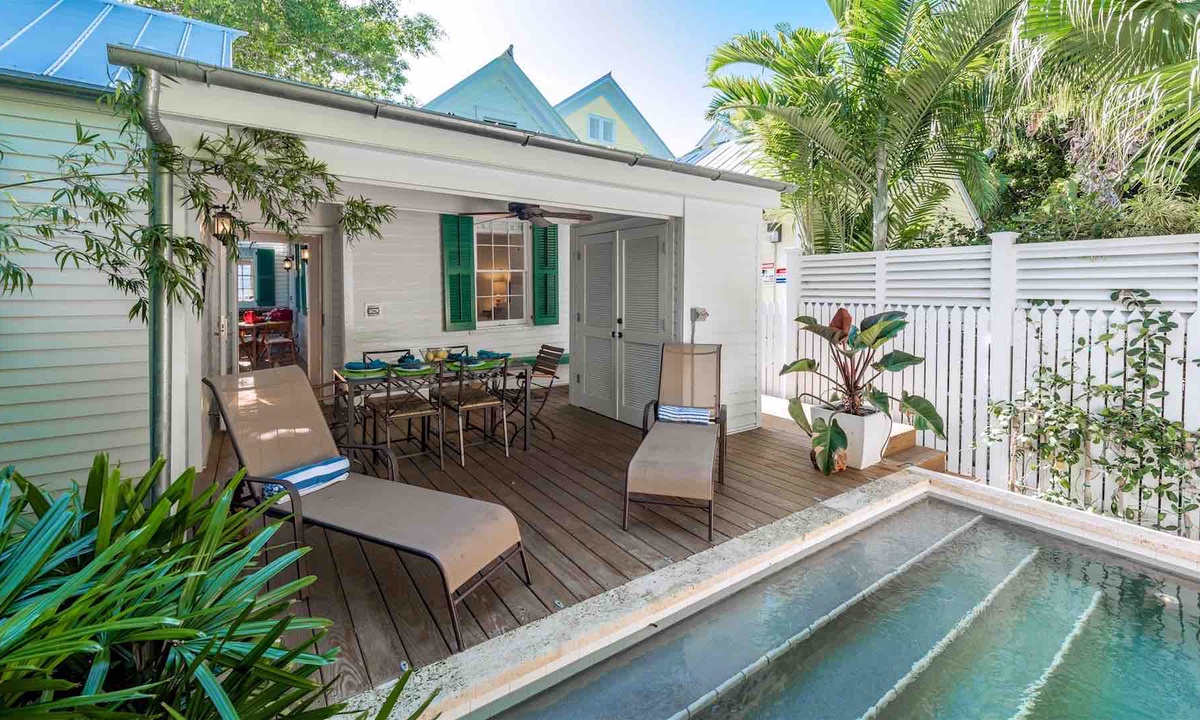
x=114 y=606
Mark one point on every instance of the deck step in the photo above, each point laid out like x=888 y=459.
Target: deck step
x=903 y=437
x=919 y=456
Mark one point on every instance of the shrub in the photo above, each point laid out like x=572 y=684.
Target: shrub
x=113 y=605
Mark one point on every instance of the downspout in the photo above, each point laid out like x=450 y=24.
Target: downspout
x=159 y=311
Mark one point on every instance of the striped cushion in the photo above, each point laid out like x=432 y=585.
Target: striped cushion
x=673 y=413
x=311 y=477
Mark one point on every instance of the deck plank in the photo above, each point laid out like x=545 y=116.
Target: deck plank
x=567 y=494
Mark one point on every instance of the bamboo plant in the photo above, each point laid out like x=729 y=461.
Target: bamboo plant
x=854 y=349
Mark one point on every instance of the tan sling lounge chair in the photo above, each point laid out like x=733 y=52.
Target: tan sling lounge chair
x=676 y=461
x=276 y=425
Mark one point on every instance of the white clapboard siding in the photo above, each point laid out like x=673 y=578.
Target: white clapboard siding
x=73 y=377
x=951 y=296
x=402 y=272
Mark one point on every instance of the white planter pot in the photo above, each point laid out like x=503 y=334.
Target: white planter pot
x=866 y=435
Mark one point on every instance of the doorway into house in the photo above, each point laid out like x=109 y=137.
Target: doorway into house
x=280 y=302
x=622 y=275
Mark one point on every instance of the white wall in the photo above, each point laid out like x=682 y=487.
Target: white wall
x=402 y=272
x=73 y=367
x=720 y=272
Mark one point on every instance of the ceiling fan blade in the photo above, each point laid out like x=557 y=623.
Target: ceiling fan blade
x=500 y=214
x=539 y=221
x=584 y=217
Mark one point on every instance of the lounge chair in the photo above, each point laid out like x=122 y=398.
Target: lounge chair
x=276 y=425
x=683 y=434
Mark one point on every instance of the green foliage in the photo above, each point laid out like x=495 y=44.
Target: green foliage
x=96 y=214
x=114 y=604
x=1078 y=427
x=360 y=47
x=1069 y=214
x=874 y=121
x=944 y=231
x=854 y=349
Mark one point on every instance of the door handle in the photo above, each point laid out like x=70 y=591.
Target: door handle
x=613 y=333
x=620 y=334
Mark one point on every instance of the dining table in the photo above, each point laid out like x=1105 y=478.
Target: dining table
x=356 y=386
x=260 y=330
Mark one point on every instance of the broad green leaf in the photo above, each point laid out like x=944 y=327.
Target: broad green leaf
x=878 y=398
x=802 y=365
x=827 y=439
x=870 y=321
x=832 y=336
x=897 y=360
x=807 y=320
x=925 y=416
x=879 y=333
x=796 y=410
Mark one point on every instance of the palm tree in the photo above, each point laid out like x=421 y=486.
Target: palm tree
x=1129 y=68
x=874 y=121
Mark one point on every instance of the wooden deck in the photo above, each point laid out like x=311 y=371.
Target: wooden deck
x=388 y=608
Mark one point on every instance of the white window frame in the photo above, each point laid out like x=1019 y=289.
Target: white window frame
x=247 y=263
x=526 y=271
x=604 y=122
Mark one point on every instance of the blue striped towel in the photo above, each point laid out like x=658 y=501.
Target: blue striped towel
x=674 y=413
x=311 y=478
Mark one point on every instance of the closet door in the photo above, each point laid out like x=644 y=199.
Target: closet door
x=643 y=318
x=596 y=360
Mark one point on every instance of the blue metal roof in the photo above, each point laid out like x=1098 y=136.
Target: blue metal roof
x=68 y=39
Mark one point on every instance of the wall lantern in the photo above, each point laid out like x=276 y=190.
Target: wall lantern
x=223 y=227
x=289 y=262
x=304 y=253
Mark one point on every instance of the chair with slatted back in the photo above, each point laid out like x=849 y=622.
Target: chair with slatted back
x=541 y=378
x=482 y=389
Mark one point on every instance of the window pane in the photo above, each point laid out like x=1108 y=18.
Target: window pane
x=484 y=306
x=500 y=308
x=483 y=256
x=483 y=284
x=516 y=258
x=516 y=285
x=608 y=131
x=500 y=259
x=483 y=237
x=516 y=307
x=594 y=128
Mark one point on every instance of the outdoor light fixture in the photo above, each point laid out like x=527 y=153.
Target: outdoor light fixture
x=223 y=223
x=288 y=262
x=304 y=253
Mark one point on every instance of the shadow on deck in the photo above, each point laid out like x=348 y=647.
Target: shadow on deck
x=388 y=608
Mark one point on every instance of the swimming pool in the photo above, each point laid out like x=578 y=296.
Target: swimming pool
x=935 y=611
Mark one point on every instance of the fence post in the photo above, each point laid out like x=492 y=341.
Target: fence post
x=880 y=280
x=1003 y=304
x=791 y=309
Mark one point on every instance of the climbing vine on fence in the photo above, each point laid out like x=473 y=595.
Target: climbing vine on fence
x=1079 y=430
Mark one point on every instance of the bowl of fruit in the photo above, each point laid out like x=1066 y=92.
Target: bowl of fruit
x=433 y=355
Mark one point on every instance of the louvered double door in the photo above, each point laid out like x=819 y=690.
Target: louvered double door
x=622 y=320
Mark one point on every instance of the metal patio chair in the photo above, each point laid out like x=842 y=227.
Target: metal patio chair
x=683 y=434
x=275 y=426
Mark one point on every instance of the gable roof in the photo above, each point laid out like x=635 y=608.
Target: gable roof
x=503 y=83
x=608 y=88
x=67 y=40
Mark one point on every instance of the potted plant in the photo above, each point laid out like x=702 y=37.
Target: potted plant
x=850 y=427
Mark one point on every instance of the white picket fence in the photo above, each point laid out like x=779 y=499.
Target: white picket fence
x=974 y=319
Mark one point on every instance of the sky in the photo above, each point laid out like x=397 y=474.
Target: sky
x=656 y=49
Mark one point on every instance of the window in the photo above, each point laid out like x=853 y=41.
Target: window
x=601 y=129
x=500 y=271
x=245 y=281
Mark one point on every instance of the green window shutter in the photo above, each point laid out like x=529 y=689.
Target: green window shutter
x=301 y=286
x=545 y=275
x=458 y=272
x=264 y=282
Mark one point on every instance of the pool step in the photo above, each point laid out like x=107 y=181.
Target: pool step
x=989 y=669
x=846 y=667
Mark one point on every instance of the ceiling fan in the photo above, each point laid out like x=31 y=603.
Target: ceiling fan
x=534 y=214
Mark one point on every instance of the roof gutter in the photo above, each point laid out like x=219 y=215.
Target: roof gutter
x=172 y=66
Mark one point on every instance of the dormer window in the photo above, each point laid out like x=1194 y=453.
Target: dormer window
x=601 y=129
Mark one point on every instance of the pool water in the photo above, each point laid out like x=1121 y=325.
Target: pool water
x=933 y=612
